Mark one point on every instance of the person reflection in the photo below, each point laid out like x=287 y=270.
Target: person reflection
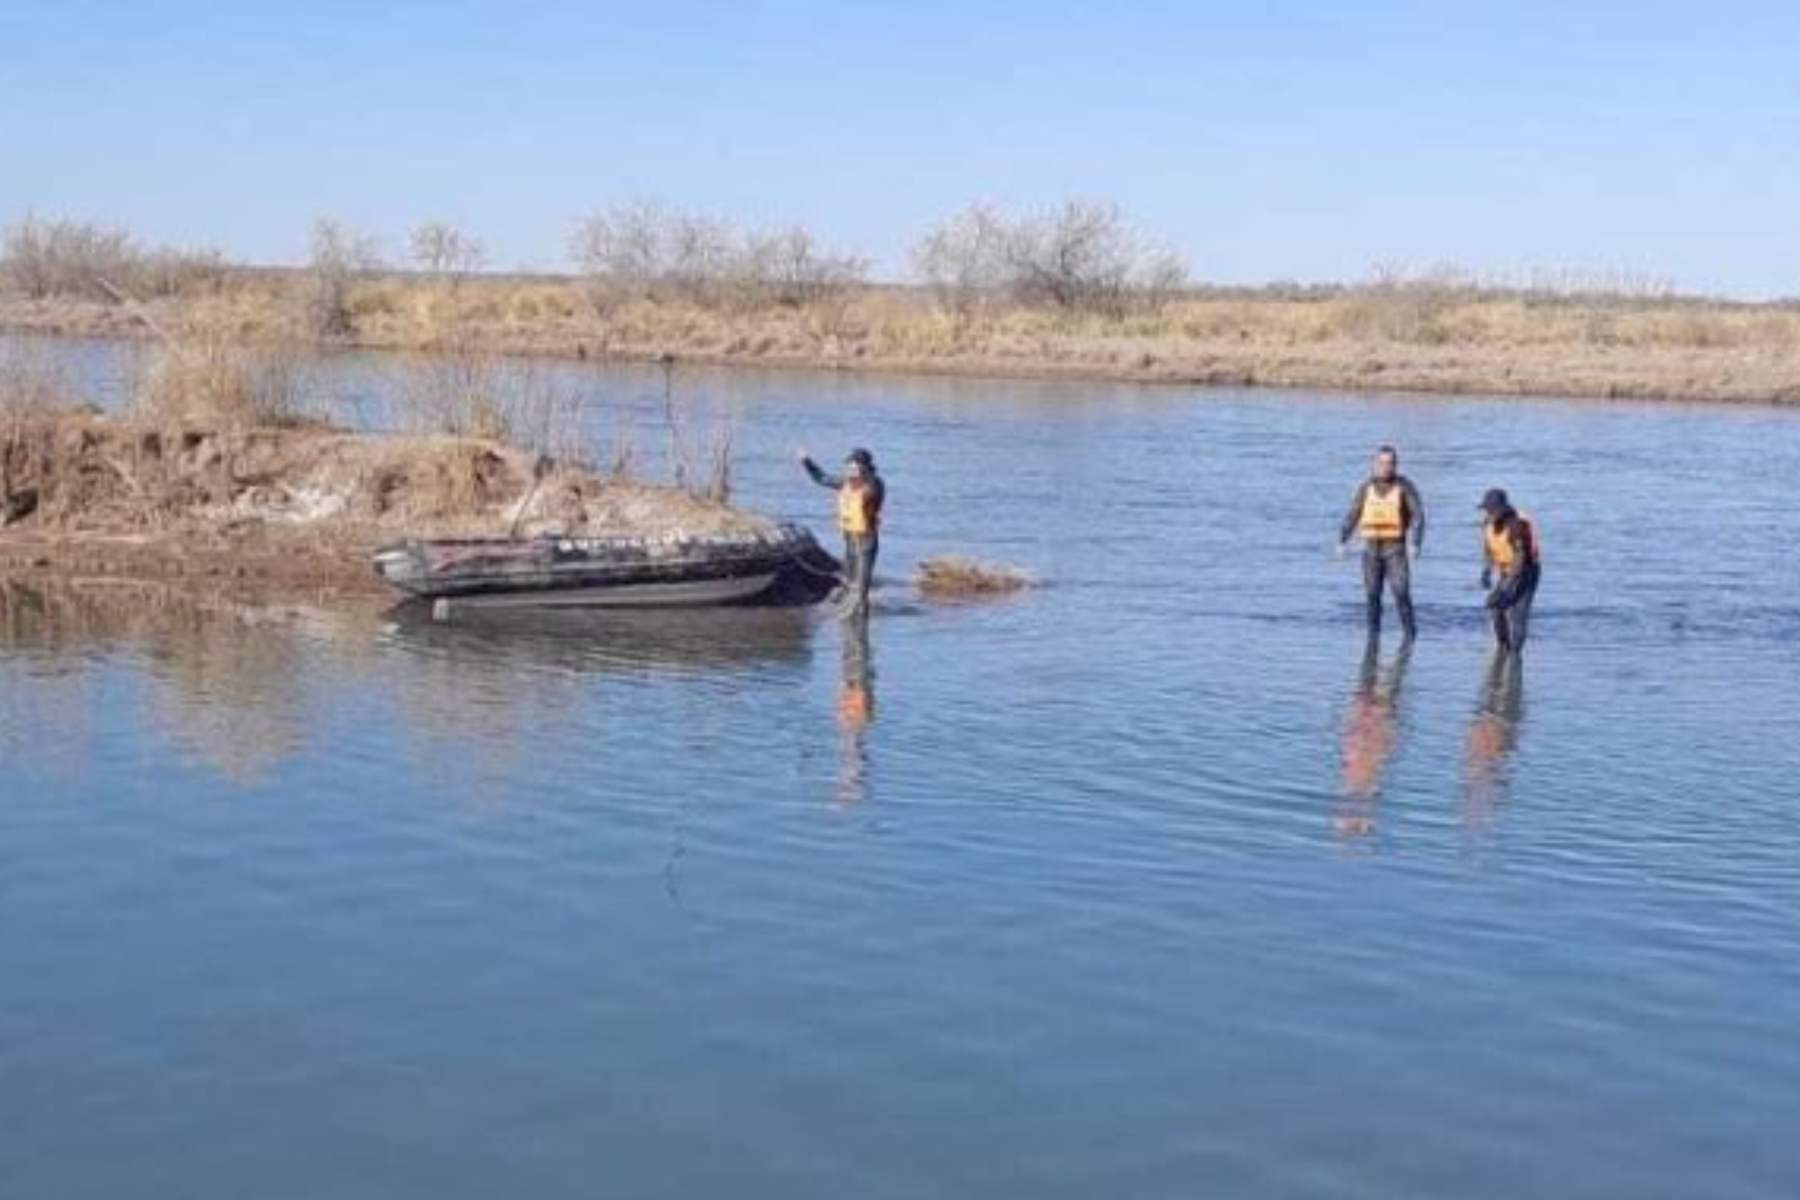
x=1370 y=733
x=855 y=711
x=1493 y=738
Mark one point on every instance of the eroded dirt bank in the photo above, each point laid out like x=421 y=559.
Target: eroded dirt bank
x=297 y=507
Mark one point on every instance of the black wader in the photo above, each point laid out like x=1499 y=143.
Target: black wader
x=1386 y=564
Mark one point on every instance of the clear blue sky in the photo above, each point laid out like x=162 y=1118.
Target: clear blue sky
x=1303 y=139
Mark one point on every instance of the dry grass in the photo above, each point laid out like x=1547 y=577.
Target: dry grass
x=956 y=576
x=206 y=368
x=81 y=472
x=1416 y=336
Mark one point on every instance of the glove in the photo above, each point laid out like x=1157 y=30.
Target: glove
x=1487 y=578
x=1494 y=598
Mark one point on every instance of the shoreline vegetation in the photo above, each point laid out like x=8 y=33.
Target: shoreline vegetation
x=1076 y=292
x=217 y=475
x=245 y=508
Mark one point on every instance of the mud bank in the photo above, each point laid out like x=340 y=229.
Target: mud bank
x=295 y=508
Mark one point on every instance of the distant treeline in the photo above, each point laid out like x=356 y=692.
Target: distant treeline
x=1084 y=257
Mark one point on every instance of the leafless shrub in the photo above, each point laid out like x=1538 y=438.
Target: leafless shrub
x=965 y=260
x=1407 y=304
x=446 y=252
x=338 y=254
x=700 y=464
x=720 y=452
x=700 y=253
x=31 y=379
x=455 y=390
x=1083 y=256
x=644 y=251
x=790 y=268
x=546 y=418
x=1526 y=283
x=41 y=259
x=208 y=372
x=469 y=392
x=1086 y=257
x=622 y=461
x=33 y=390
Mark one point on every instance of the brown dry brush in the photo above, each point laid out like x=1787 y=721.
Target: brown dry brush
x=645 y=252
x=44 y=259
x=701 y=465
x=956 y=575
x=206 y=370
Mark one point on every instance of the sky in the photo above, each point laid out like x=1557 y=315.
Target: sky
x=1300 y=140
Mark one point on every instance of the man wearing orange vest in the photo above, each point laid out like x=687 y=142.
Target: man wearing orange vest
x=1390 y=516
x=860 y=493
x=1509 y=547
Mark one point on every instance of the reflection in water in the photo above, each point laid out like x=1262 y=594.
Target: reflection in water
x=606 y=642
x=225 y=681
x=240 y=686
x=509 y=681
x=855 y=712
x=1370 y=734
x=1493 y=737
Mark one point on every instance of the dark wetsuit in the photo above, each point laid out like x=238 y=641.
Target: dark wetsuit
x=1385 y=563
x=1513 y=592
x=860 y=549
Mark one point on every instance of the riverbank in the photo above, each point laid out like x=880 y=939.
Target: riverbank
x=295 y=508
x=1402 y=338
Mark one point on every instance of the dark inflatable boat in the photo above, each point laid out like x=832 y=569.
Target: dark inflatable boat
x=782 y=567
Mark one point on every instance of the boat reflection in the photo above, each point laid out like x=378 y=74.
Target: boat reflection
x=241 y=685
x=1370 y=735
x=657 y=641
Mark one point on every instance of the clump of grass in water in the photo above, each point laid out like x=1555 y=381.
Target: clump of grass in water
x=953 y=576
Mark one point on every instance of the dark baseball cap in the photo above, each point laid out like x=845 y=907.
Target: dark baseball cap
x=1494 y=501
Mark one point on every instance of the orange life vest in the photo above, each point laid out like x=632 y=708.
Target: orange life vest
x=1382 y=519
x=856 y=508
x=1500 y=547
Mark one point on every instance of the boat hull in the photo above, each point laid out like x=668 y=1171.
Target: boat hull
x=782 y=567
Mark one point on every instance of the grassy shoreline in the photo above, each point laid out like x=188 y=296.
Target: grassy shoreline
x=1355 y=339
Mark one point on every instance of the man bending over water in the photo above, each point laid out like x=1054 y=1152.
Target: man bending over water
x=1390 y=516
x=1510 y=551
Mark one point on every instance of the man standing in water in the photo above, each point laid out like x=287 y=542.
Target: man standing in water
x=1509 y=547
x=1390 y=516
x=861 y=493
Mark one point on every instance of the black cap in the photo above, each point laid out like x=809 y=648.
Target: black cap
x=862 y=458
x=1495 y=501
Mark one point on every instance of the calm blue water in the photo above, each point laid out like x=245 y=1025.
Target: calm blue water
x=1144 y=884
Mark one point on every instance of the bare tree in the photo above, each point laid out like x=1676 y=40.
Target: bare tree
x=621 y=251
x=1086 y=256
x=697 y=256
x=790 y=268
x=42 y=258
x=338 y=254
x=964 y=260
x=1082 y=256
x=644 y=251
x=442 y=250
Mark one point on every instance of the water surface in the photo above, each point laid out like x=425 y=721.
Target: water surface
x=1150 y=883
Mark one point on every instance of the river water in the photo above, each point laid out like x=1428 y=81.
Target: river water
x=1147 y=883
